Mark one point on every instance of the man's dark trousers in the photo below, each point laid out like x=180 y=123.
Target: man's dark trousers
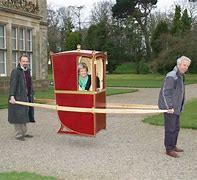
x=171 y=130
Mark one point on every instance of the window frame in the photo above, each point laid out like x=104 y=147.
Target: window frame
x=15 y=38
x=27 y=38
x=4 y=50
x=23 y=39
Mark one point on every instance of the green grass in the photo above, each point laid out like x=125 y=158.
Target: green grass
x=137 y=80
x=134 y=80
x=126 y=68
x=119 y=91
x=23 y=176
x=50 y=76
x=110 y=91
x=3 y=101
x=188 y=116
x=114 y=80
x=142 y=81
x=49 y=94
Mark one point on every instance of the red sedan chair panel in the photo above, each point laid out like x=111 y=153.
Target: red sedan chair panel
x=67 y=92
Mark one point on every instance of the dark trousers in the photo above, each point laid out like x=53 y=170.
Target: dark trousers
x=171 y=130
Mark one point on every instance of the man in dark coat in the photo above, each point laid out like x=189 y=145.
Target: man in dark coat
x=21 y=89
x=171 y=98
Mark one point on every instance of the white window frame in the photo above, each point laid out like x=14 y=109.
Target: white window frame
x=30 y=55
x=23 y=39
x=5 y=67
x=4 y=37
x=3 y=49
x=15 y=59
x=15 y=38
x=29 y=39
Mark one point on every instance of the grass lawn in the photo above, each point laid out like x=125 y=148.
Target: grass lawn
x=188 y=116
x=3 y=101
x=119 y=91
x=23 y=176
x=142 y=81
x=126 y=68
x=114 y=80
x=49 y=94
x=138 y=80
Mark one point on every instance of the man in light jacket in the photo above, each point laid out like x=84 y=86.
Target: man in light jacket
x=171 y=98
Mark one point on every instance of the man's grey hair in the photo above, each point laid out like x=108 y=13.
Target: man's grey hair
x=183 y=58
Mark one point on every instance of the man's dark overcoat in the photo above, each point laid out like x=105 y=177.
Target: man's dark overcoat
x=18 y=114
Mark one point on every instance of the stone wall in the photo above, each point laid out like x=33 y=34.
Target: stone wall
x=38 y=22
x=37 y=84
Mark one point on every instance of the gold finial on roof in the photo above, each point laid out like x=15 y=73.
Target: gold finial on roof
x=78 y=47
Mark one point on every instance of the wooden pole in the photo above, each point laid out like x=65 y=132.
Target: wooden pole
x=109 y=105
x=132 y=106
x=91 y=110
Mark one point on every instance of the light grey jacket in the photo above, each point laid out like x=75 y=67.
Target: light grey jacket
x=172 y=93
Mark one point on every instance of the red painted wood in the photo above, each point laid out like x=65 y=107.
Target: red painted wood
x=65 y=78
x=100 y=102
x=65 y=72
x=82 y=123
x=75 y=100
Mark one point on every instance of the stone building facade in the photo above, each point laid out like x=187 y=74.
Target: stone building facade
x=23 y=30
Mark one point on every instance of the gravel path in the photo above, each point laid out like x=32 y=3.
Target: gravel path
x=127 y=150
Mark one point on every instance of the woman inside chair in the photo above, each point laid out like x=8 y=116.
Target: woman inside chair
x=84 y=79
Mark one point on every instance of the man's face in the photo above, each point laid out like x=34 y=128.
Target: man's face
x=183 y=67
x=24 y=62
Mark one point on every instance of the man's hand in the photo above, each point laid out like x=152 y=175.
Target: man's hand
x=170 y=111
x=12 y=100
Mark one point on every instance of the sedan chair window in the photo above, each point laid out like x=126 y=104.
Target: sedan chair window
x=85 y=75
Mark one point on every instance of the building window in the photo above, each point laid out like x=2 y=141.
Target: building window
x=30 y=60
x=14 y=38
x=21 y=39
x=29 y=40
x=21 y=44
x=14 y=59
x=2 y=50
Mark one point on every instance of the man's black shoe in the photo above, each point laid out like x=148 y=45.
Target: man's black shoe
x=20 y=138
x=27 y=136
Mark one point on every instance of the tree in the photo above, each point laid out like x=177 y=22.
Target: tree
x=73 y=39
x=101 y=12
x=65 y=25
x=52 y=34
x=140 y=10
x=191 y=7
x=158 y=41
x=177 y=23
x=76 y=12
x=102 y=34
x=59 y=25
x=168 y=46
x=178 y=46
x=186 y=21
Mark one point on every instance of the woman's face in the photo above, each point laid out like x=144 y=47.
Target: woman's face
x=83 y=72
